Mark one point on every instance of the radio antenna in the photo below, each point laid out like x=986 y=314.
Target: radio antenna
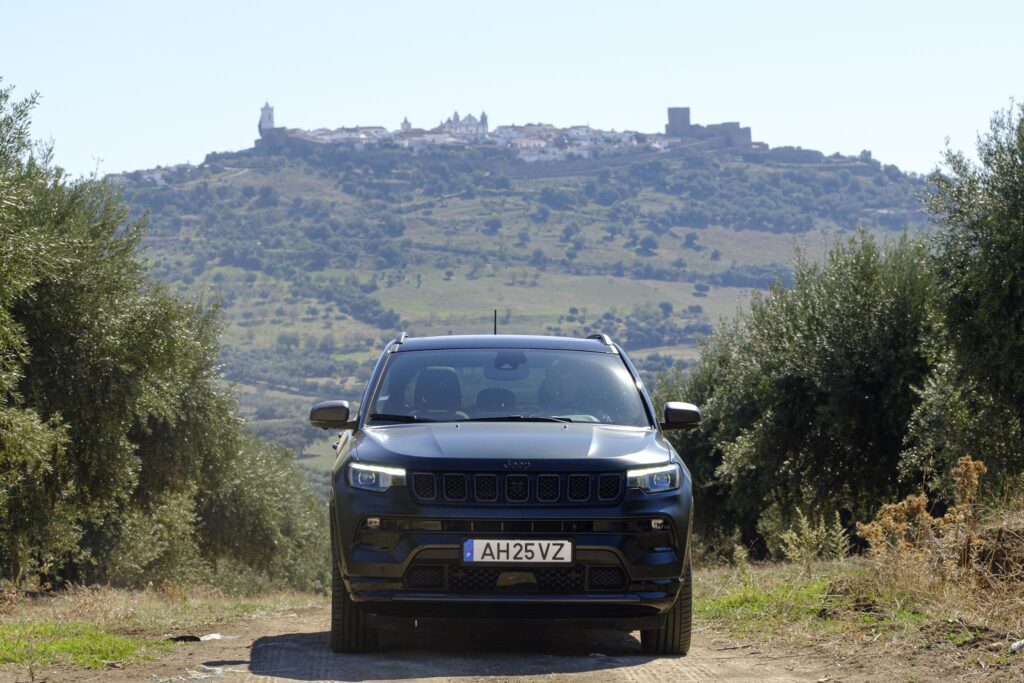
x=495 y=321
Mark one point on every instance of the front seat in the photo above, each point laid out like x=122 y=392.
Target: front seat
x=438 y=395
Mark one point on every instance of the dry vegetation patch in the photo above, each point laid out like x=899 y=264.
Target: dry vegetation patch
x=100 y=627
x=969 y=561
x=934 y=596
x=868 y=627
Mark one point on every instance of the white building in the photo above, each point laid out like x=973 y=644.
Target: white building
x=266 y=118
x=468 y=127
x=505 y=134
x=583 y=136
x=527 y=143
x=533 y=155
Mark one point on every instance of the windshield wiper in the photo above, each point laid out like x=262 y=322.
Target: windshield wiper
x=398 y=418
x=518 y=418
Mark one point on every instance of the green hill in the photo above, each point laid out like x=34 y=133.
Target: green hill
x=321 y=253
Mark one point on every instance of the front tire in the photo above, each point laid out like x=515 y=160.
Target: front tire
x=349 y=630
x=674 y=637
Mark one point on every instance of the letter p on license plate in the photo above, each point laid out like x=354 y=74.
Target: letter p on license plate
x=504 y=551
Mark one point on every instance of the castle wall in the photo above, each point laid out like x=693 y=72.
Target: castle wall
x=730 y=133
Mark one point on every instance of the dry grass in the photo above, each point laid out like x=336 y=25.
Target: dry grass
x=166 y=609
x=869 y=629
x=97 y=627
x=934 y=598
x=969 y=562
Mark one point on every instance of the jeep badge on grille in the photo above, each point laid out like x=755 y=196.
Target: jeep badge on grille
x=518 y=464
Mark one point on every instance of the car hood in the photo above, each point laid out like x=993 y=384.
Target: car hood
x=420 y=445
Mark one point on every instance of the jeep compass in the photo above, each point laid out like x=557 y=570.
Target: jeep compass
x=517 y=478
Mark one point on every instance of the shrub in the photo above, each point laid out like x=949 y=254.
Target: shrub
x=807 y=541
x=970 y=555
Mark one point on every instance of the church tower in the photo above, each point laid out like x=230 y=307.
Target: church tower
x=483 y=121
x=406 y=126
x=266 y=119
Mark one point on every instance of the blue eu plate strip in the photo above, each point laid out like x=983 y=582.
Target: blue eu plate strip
x=467 y=551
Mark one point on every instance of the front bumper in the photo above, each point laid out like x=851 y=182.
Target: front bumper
x=408 y=570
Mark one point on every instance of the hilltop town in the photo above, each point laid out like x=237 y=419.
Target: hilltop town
x=535 y=143
x=532 y=142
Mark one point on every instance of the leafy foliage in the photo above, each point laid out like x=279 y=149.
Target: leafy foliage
x=807 y=395
x=807 y=541
x=979 y=256
x=974 y=401
x=121 y=458
x=36 y=521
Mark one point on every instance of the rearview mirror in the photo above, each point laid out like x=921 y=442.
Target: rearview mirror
x=679 y=415
x=331 y=415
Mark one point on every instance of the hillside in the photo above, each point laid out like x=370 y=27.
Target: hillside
x=320 y=253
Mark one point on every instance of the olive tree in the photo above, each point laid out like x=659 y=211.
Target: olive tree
x=974 y=402
x=807 y=394
x=122 y=458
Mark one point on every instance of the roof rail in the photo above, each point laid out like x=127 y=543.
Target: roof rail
x=400 y=339
x=603 y=338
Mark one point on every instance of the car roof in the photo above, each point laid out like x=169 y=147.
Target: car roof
x=503 y=341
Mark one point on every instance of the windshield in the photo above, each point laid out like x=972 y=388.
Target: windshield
x=507 y=385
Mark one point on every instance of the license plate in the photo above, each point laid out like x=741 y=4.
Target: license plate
x=504 y=551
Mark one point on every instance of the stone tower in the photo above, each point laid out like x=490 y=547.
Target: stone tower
x=483 y=121
x=406 y=126
x=678 y=122
x=266 y=119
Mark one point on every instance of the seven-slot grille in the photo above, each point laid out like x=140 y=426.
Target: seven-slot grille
x=518 y=488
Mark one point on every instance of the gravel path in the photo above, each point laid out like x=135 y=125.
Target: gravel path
x=294 y=647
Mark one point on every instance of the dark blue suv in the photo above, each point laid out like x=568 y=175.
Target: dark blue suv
x=512 y=478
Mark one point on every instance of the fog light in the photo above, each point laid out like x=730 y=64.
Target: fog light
x=373 y=522
x=658 y=524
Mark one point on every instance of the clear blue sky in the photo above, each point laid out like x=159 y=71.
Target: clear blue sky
x=129 y=85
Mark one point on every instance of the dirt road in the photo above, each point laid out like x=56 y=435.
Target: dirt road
x=294 y=647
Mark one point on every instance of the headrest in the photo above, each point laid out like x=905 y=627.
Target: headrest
x=438 y=389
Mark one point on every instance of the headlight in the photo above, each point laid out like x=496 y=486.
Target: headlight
x=375 y=477
x=655 y=479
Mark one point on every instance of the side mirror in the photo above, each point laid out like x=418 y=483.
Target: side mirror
x=679 y=415
x=331 y=415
